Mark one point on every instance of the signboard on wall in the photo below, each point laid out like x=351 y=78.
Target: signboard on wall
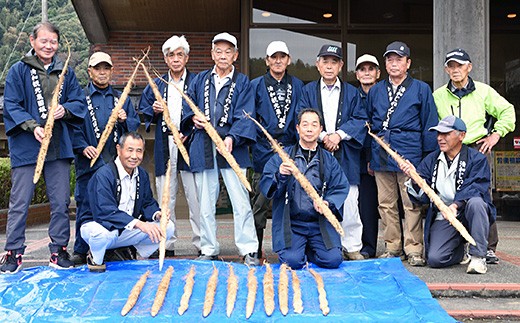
x=507 y=170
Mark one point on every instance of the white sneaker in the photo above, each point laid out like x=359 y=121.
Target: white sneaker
x=465 y=260
x=477 y=265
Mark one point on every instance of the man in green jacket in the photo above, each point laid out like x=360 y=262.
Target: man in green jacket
x=474 y=103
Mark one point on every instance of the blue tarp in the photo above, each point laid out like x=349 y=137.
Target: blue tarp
x=379 y=290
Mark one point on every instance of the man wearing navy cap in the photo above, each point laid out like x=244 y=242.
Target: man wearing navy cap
x=402 y=110
x=276 y=95
x=223 y=95
x=343 y=135
x=461 y=177
x=477 y=104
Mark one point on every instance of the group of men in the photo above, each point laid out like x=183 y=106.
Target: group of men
x=321 y=125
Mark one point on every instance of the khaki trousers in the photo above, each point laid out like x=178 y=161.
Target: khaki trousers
x=389 y=185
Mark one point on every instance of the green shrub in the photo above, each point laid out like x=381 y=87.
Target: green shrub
x=40 y=194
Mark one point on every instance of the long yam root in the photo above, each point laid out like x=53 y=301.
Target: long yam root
x=165 y=201
x=161 y=291
x=283 y=290
x=211 y=289
x=324 y=304
x=49 y=124
x=297 y=293
x=268 y=290
x=134 y=293
x=252 y=286
x=188 y=289
x=232 y=291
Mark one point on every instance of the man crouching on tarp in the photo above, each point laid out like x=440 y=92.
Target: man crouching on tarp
x=461 y=177
x=123 y=211
x=300 y=232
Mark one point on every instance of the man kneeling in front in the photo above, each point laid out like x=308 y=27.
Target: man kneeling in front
x=300 y=231
x=122 y=209
x=461 y=177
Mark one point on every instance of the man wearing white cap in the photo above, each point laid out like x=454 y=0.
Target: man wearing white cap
x=367 y=73
x=223 y=95
x=401 y=110
x=343 y=135
x=477 y=104
x=101 y=99
x=276 y=95
x=176 y=52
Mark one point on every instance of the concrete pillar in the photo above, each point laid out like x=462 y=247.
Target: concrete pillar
x=461 y=24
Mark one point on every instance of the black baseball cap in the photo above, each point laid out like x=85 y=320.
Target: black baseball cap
x=399 y=48
x=330 y=50
x=458 y=55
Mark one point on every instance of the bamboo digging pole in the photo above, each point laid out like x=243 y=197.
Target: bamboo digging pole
x=166 y=116
x=113 y=116
x=47 y=130
x=212 y=133
x=165 y=201
x=445 y=210
x=304 y=182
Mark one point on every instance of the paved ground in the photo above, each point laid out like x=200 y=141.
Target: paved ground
x=494 y=296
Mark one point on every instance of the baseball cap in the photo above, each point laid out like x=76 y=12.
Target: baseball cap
x=458 y=55
x=225 y=37
x=399 y=48
x=275 y=47
x=330 y=50
x=449 y=124
x=366 y=58
x=99 y=57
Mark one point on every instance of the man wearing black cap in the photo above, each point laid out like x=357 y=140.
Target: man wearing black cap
x=475 y=103
x=223 y=95
x=401 y=110
x=101 y=100
x=343 y=135
x=276 y=95
x=461 y=177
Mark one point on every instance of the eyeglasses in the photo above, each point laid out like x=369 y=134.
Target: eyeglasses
x=227 y=52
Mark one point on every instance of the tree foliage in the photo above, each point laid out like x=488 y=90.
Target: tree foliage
x=14 y=37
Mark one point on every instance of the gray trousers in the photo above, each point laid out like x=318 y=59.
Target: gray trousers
x=57 y=181
x=446 y=246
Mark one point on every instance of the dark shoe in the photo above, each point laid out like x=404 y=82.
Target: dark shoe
x=79 y=258
x=491 y=258
x=206 y=258
x=251 y=259
x=392 y=254
x=168 y=254
x=119 y=254
x=365 y=255
x=93 y=267
x=11 y=262
x=61 y=259
x=416 y=260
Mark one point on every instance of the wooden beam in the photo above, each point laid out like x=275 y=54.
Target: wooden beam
x=92 y=20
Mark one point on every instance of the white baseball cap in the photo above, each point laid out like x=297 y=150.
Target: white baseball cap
x=225 y=37
x=275 y=47
x=99 y=57
x=366 y=58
